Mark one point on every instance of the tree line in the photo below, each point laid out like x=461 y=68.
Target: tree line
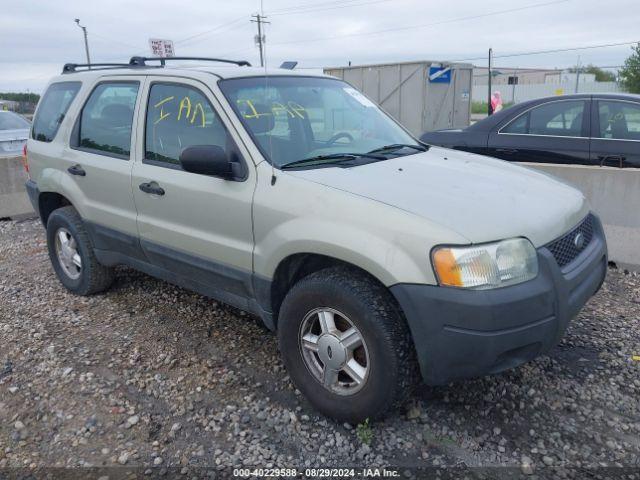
x=20 y=97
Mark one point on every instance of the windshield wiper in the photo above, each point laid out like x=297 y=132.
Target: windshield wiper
x=398 y=146
x=331 y=158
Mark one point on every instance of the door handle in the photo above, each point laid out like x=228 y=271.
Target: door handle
x=77 y=170
x=152 y=187
x=509 y=151
x=619 y=159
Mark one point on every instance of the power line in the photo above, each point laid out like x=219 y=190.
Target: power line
x=426 y=25
x=111 y=40
x=555 y=50
x=217 y=29
x=311 y=4
x=510 y=71
x=212 y=30
x=311 y=9
x=300 y=6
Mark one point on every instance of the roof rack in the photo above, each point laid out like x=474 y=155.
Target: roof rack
x=73 y=67
x=141 y=61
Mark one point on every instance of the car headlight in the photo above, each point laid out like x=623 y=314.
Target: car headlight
x=490 y=265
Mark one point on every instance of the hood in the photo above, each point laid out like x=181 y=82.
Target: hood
x=481 y=198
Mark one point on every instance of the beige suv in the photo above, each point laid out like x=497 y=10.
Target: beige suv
x=376 y=258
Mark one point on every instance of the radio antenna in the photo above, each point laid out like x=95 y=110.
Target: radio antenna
x=261 y=41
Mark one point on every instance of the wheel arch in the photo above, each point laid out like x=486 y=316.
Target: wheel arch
x=50 y=201
x=294 y=267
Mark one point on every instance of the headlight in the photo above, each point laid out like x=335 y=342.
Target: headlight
x=490 y=265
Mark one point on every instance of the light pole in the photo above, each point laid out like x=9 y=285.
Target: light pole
x=86 y=42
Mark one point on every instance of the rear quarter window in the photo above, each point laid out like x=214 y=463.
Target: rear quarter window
x=52 y=109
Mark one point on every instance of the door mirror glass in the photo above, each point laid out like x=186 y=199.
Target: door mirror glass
x=206 y=160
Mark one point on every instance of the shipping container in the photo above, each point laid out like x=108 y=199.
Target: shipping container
x=423 y=96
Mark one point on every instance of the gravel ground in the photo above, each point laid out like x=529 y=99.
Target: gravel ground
x=151 y=376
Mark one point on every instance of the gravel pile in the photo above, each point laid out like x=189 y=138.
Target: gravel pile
x=149 y=375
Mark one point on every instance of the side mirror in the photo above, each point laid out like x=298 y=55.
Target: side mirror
x=207 y=160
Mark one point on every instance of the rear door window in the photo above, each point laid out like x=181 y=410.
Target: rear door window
x=52 y=109
x=619 y=120
x=558 y=119
x=106 y=119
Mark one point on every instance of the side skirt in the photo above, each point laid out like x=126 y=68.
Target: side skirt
x=246 y=303
x=221 y=282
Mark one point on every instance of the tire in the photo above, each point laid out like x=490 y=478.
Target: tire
x=353 y=298
x=92 y=277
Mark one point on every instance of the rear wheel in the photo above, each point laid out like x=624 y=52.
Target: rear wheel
x=72 y=255
x=345 y=345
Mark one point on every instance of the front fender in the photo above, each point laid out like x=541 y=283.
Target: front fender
x=299 y=216
x=381 y=257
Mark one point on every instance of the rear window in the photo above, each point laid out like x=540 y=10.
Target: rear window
x=52 y=109
x=11 y=121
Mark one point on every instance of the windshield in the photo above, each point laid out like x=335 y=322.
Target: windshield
x=11 y=121
x=297 y=118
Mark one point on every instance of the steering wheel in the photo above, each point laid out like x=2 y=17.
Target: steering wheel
x=337 y=137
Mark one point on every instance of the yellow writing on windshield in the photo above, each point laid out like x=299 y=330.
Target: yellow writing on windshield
x=278 y=109
x=253 y=113
x=298 y=109
x=291 y=109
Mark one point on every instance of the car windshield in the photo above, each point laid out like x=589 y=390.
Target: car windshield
x=294 y=118
x=11 y=121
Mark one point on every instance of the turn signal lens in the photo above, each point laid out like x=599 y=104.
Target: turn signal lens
x=486 y=266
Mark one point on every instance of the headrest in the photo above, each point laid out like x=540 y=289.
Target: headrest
x=117 y=114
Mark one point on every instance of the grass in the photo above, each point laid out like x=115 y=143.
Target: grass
x=481 y=107
x=364 y=432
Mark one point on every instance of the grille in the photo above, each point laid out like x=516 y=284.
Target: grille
x=564 y=249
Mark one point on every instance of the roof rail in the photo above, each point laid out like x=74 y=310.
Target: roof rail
x=73 y=67
x=141 y=61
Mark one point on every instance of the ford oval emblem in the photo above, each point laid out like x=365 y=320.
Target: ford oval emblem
x=578 y=240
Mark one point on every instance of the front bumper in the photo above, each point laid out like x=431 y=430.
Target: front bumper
x=465 y=333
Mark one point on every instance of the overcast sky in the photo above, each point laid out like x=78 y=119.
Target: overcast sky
x=37 y=37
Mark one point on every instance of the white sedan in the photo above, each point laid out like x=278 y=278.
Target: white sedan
x=14 y=131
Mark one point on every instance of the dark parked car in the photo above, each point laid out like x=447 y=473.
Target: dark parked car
x=598 y=129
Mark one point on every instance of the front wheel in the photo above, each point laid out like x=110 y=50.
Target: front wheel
x=345 y=345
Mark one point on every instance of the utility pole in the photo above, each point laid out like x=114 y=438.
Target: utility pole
x=489 y=107
x=260 y=38
x=578 y=75
x=86 y=42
